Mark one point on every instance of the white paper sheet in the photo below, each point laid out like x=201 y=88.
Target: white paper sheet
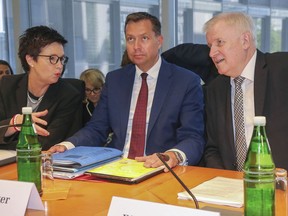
x=219 y=190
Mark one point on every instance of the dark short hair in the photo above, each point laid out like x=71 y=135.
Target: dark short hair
x=138 y=16
x=34 y=39
x=3 y=62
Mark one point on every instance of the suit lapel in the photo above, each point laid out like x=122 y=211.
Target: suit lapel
x=49 y=97
x=260 y=83
x=229 y=116
x=125 y=94
x=163 y=85
x=21 y=93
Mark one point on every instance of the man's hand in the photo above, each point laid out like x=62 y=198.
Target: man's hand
x=154 y=161
x=57 y=148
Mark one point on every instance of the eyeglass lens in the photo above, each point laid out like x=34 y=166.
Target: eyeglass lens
x=95 y=90
x=54 y=59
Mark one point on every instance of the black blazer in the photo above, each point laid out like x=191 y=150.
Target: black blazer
x=271 y=100
x=88 y=107
x=63 y=101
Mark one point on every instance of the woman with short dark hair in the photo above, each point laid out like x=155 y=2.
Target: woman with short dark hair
x=54 y=101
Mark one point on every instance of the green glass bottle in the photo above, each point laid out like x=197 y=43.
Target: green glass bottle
x=29 y=152
x=259 y=174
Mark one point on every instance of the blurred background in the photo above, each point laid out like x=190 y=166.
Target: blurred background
x=94 y=28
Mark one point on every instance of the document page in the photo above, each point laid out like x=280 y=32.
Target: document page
x=126 y=170
x=7 y=156
x=219 y=190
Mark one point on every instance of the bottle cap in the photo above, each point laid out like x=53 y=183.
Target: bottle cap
x=260 y=120
x=26 y=110
x=281 y=172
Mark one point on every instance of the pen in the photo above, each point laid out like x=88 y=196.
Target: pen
x=14 y=125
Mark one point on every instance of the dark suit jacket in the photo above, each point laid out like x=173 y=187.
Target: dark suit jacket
x=88 y=107
x=271 y=100
x=176 y=119
x=194 y=57
x=63 y=101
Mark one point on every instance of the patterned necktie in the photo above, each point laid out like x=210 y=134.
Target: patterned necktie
x=137 y=143
x=240 y=140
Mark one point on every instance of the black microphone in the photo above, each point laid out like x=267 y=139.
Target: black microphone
x=165 y=158
x=6 y=126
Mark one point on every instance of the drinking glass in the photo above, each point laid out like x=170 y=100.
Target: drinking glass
x=47 y=170
x=281 y=191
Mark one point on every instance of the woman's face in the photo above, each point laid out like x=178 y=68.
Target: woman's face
x=4 y=70
x=44 y=69
x=92 y=93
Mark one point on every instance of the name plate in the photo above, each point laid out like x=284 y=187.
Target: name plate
x=131 y=207
x=16 y=196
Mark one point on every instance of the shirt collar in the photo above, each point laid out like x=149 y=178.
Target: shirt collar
x=249 y=70
x=153 y=71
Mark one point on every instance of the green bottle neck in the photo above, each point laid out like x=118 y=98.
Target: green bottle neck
x=259 y=142
x=27 y=120
x=259 y=156
x=28 y=138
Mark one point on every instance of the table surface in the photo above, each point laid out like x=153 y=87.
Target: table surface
x=93 y=198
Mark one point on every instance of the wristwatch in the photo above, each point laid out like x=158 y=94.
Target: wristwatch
x=179 y=157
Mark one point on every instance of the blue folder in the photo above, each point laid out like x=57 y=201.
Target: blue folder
x=82 y=157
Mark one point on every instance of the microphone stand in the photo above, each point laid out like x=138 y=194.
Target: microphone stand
x=166 y=157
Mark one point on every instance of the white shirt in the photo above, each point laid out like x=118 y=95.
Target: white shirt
x=248 y=98
x=151 y=82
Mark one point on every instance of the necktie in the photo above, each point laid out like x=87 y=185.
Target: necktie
x=240 y=141
x=137 y=143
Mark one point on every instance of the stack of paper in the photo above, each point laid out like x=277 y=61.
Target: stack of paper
x=219 y=190
x=7 y=156
x=74 y=162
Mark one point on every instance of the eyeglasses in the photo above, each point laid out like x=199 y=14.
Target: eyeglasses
x=95 y=90
x=54 y=59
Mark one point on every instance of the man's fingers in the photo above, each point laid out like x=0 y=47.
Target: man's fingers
x=57 y=148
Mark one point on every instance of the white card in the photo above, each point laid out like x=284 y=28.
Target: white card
x=124 y=206
x=16 y=196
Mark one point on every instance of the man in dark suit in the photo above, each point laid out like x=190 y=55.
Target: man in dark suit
x=194 y=57
x=232 y=43
x=174 y=122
